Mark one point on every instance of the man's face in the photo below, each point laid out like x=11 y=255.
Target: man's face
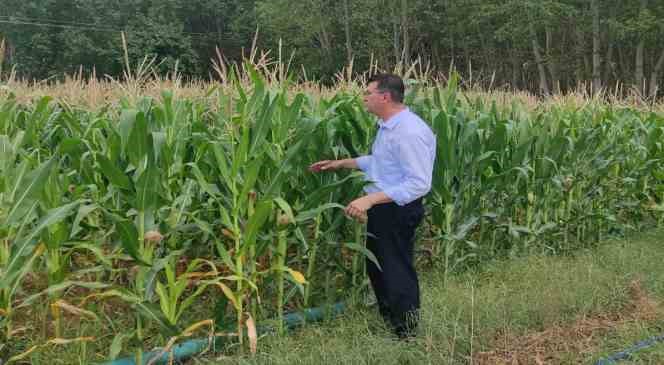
x=374 y=99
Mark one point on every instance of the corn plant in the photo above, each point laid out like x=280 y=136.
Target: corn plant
x=178 y=196
x=234 y=165
x=508 y=180
x=21 y=223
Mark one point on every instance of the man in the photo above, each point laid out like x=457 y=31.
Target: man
x=400 y=169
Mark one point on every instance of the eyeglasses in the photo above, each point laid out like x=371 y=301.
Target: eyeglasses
x=369 y=92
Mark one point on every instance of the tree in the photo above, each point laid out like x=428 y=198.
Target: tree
x=597 y=81
x=547 y=46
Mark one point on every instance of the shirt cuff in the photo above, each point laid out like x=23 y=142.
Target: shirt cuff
x=363 y=162
x=397 y=195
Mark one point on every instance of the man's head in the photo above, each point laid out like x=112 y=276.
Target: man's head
x=383 y=92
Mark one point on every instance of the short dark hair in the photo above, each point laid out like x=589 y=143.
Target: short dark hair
x=389 y=83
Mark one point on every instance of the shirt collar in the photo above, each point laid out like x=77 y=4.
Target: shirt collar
x=393 y=121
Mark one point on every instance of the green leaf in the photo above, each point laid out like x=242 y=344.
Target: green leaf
x=277 y=178
x=251 y=175
x=157 y=266
x=286 y=208
x=313 y=213
x=464 y=228
x=208 y=188
x=159 y=144
x=13 y=282
x=223 y=253
x=126 y=125
x=190 y=300
x=83 y=211
x=129 y=240
x=229 y=294
x=222 y=165
x=263 y=125
x=241 y=154
x=113 y=173
x=164 y=302
x=74 y=147
x=9 y=149
x=22 y=244
x=57 y=288
x=256 y=221
x=147 y=190
x=27 y=189
x=153 y=314
x=96 y=250
x=139 y=144
x=117 y=344
x=322 y=193
x=363 y=250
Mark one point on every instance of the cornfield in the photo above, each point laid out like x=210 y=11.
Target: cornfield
x=159 y=207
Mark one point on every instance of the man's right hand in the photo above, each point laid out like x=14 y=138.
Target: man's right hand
x=326 y=165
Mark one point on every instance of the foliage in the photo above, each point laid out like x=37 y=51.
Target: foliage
x=156 y=204
x=490 y=43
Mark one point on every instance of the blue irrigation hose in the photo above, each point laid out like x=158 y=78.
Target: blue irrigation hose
x=190 y=348
x=626 y=354
x=181 y=351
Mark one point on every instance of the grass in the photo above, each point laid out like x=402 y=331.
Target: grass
x=530 y=310
x=556 y=310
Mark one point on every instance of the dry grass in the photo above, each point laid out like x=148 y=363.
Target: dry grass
x=141 y=80
x=581 y=338
x=93 y=93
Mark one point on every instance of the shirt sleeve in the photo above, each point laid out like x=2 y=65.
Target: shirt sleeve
x=413 y=153
x=364 y=163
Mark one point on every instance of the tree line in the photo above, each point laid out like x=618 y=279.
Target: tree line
x=545 y=46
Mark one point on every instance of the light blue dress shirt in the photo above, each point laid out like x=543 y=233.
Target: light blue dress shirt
x=401 y=159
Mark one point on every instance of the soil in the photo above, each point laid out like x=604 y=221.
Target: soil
x=581 y=338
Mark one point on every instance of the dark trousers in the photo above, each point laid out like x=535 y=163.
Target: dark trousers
x=391 y=231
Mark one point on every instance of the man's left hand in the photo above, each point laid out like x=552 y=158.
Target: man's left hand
x=358 y=208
